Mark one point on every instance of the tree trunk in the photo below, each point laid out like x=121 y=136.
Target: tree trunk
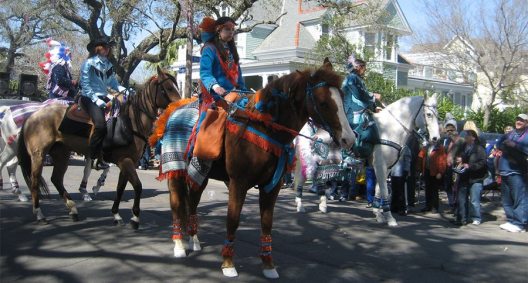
x=10 y=60
x=487 y=115
x=189 y=49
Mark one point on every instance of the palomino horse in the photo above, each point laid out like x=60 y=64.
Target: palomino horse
x=11 y=120
x=40 y=135
x=396 y=123
x=259 y=136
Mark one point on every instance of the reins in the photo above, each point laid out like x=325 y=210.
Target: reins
x=243 y=113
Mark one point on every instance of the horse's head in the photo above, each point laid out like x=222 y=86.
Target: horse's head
x=430 y=117
x=324 y=103
x=165 y=89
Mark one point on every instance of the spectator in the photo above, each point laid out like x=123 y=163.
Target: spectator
x=448 y=141
x=512 y=168
x=472 y=171
x=399 y=173
x=433 y=161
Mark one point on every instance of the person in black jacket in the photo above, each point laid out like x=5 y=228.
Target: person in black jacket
x=472 y=170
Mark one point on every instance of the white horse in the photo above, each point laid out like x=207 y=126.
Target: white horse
x=395 y=123
x=11 y=120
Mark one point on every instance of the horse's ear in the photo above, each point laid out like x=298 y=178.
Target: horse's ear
x=327 y=65
x=426 y=95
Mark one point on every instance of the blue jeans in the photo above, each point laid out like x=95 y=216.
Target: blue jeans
x=515 y=199
x=370 y=183
x=469 y=210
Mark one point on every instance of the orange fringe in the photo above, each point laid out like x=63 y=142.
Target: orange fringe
x=255 y=139
x=161 y=122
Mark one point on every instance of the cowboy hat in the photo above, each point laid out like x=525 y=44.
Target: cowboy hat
x=101 y=41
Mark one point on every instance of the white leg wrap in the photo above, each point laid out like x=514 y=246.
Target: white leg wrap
x=135 y=218
x=194 y=243
x=322 y=205
x=179 y=249
x=70 y=204
x=300 y=206
x=229 y=272
x=270 y=273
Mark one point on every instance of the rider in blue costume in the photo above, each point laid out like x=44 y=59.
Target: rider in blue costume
x=97 y=74
x=359 y=103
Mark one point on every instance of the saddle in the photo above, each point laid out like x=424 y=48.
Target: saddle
x=210 y=139
x=77 y=122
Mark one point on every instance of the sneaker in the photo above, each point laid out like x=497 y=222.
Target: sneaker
x=369 y=205
x=511 y=228
x=475 y=222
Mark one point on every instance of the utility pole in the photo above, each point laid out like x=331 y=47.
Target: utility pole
x=189 y=49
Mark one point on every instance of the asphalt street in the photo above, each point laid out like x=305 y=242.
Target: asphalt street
x=344 y=245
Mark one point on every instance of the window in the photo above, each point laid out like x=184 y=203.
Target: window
x=324 y=29
x=370 y=43
x=389 y=44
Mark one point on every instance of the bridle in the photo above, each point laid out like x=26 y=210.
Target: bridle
x=139 y=104
x=310 y=98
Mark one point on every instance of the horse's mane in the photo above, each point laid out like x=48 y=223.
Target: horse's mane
x=288 y=84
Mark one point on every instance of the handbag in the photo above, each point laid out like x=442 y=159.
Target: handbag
x=210 y=138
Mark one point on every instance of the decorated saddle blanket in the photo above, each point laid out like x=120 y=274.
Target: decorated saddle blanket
x=21 y=112
x=174 y=146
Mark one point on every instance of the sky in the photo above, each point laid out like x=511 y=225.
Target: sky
x=413 y=11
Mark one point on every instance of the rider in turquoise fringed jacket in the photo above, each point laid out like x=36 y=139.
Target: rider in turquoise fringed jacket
x=359 y=103
x=358 y=100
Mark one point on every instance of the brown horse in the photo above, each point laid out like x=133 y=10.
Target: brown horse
x=290 y=101
x=40 y=135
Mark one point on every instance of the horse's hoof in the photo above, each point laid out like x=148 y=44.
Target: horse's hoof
x=380 y=218
x=270 y=273
x=229 y=272
x=301 y=209
x=134 y=224
x=42 y=221
x=179 y=253
x=392 y=223
x=23 y=198
x=87 y=197
x=119 y=222
x=194 y=243
x=75 y=217
x=95 y=190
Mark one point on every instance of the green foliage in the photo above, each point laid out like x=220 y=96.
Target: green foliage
x=446 y=105
x=389 y=93
x=498 y=119
x=171 y=57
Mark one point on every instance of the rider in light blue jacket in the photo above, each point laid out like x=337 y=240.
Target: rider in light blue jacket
x=97 y=74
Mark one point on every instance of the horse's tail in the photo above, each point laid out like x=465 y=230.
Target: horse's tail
x=161 y=122
x=24 y=160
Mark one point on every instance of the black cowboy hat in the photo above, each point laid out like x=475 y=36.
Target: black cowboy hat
x=101 y=41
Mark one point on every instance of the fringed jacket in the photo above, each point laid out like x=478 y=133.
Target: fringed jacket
x=97 y=74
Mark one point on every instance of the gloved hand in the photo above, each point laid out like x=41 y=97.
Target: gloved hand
x=100 y=103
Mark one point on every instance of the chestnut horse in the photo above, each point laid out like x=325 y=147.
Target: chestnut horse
x=262 y=145
x=40 y=135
